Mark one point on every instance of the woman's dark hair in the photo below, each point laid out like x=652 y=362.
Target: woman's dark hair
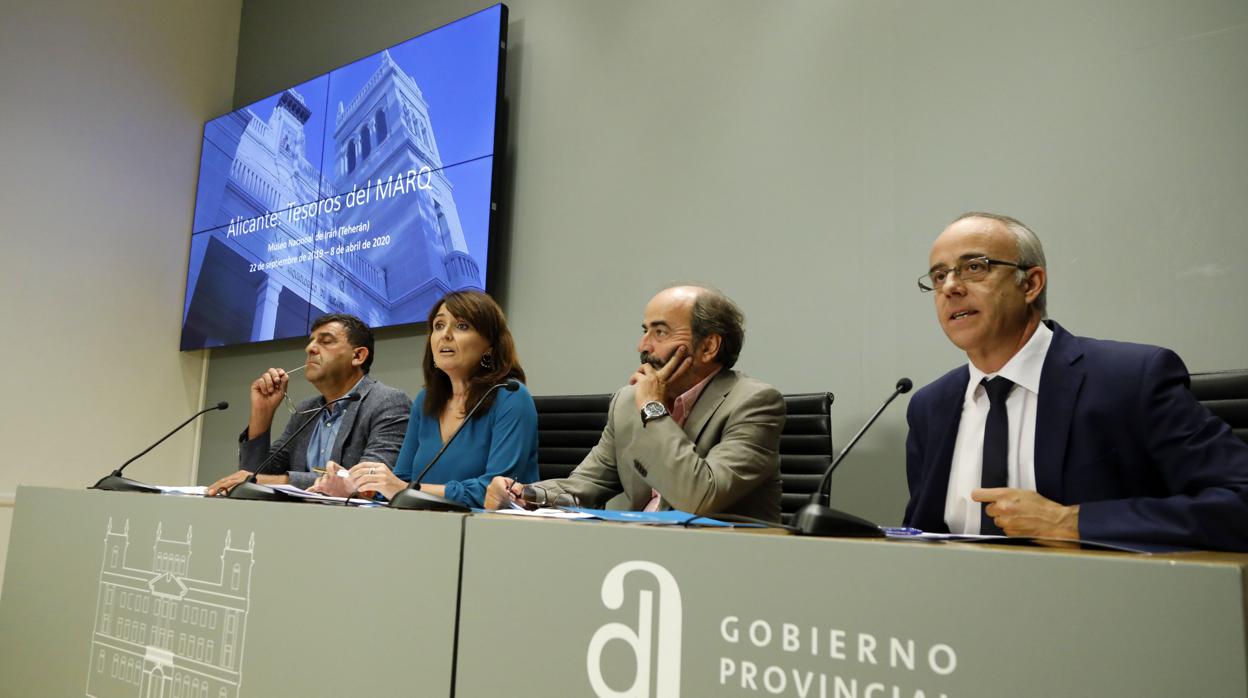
x=480 y=311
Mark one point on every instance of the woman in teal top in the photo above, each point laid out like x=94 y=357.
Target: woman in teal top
x=503 y=441
x=470 y=349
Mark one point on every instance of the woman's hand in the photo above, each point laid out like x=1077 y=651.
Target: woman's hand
x=370 y=478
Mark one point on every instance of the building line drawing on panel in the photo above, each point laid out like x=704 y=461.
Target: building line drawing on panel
x=160 y=633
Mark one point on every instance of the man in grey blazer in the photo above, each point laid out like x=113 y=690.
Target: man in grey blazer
x=340 y=354
x=688 y=432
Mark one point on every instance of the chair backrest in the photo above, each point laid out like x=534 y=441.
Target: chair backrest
x=1225 y=393
x=805 y=448
x=568 y=426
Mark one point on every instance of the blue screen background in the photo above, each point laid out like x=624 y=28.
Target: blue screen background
x=261 y=270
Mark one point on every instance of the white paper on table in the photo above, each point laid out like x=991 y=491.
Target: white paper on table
x=197 y=490
x=545 y=513
x=318 y=497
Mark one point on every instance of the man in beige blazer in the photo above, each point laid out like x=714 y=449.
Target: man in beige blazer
x=688 y=432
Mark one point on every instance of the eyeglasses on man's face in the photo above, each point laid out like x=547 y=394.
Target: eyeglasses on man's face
x=973 y=269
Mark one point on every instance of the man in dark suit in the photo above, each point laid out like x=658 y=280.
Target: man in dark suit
x=340 y=353
x=1047 y=434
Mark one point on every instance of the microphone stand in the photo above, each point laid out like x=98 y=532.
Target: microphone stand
x=114 y=482
x=817 y=518
x=250 y=489
x=412 y=498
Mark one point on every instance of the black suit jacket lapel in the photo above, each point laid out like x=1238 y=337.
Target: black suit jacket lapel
x=942 y=434
x=1060 y=382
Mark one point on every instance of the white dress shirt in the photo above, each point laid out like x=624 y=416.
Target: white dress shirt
x=965 y=472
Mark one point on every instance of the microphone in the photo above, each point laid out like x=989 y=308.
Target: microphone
x=817 y=518
x=250 y=489
x=114 y=482
x=412 y=498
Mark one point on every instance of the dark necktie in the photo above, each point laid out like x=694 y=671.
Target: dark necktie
x=995 y=472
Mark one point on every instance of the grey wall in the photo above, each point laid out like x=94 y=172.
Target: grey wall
x=102 y=107
x=803 y=155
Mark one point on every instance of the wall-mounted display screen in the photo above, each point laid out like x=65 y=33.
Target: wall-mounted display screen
x=368 y=190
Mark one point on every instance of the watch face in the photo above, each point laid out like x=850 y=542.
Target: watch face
x=654 y=409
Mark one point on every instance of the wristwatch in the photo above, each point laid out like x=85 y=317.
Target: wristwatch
x=651 y=411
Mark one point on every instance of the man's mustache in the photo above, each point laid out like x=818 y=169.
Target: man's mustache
x=653 y=359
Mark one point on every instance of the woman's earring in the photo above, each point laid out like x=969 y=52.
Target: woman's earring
x=487 y=361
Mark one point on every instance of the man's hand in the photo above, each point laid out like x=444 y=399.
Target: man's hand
x=268 y=389
x=370 y=478
x=652 y=383
x=334 y=484
x=229 y=482
x=1026 y=513
x=267 y=392
x=502 y=492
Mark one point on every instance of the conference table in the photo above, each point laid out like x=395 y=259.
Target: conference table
x=117 y=594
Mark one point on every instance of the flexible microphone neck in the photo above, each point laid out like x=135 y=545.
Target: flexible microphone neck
x=817 y=518
x=114 y=481
x=219 y=406
x=823 y=495
x=350 y=397
x=511 y=385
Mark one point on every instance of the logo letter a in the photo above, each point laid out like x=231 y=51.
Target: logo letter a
x=667 y=677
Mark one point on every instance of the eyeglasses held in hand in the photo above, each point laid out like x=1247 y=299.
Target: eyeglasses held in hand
x=537 y=497
x=290 y=404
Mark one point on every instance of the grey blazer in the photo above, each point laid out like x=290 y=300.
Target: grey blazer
x=372 y=430
x=725 y=459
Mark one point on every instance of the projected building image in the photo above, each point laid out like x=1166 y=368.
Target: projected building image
x=370 y=206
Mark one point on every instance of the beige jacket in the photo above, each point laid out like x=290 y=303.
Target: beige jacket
x=725 y=459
